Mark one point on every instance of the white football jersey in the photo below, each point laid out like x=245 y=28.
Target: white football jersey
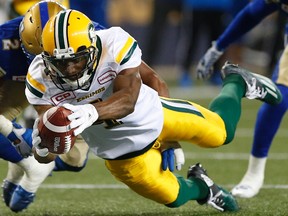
x=114 y=138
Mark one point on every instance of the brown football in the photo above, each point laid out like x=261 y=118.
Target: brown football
x=55 y=132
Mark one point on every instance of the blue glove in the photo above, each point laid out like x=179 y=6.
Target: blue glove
x=21 y=138
x=168 y=159
x=172 y=155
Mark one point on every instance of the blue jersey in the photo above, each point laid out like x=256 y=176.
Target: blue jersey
x=248 y=18
x=13 y=62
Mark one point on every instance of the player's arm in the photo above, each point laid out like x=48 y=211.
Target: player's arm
x=153 y=80
x=121 y=103
x=243 y=22
x=126 y=88
x=250 y=16
x=47 y=159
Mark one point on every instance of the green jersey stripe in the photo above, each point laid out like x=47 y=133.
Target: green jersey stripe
x=129 y=54
x=34 y=91
x=180 y=106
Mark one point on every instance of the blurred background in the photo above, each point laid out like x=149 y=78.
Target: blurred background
x=174 y=34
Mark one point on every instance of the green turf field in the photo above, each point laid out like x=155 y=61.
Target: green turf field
x=95 y=192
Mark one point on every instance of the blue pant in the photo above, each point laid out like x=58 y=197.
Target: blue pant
x=267 y=123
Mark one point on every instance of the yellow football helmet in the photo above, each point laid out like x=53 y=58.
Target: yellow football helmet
x=33 y=22
x=70 y=53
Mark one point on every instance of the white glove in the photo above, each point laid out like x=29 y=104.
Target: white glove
x=179 y=158
x=205 y=66
x=172 y=155
x=36 y=141
x=83 y=116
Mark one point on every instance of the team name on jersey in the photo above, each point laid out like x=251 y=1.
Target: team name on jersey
x=10 y=44
x=91 y=94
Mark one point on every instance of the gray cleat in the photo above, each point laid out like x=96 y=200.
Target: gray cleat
x=257 y=86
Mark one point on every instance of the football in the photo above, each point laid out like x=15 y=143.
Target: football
x=54 y=130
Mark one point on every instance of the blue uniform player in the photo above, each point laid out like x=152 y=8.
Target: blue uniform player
x=25 y=174
x=269 y=117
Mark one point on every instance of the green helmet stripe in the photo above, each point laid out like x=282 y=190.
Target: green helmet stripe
x=61 y=27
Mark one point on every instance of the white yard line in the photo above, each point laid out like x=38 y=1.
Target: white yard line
x=83 y=186
x=119 y=186
x=248 y=132
x=232 y=156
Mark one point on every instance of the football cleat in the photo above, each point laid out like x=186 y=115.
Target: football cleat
x=21 y=199
x=8 y=189
x=34 y=174
x=257 y=86
x=218 y=198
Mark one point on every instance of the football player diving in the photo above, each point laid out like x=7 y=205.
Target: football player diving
x=125 y=121
x=20 y=44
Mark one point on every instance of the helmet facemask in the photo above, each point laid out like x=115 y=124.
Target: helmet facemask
x=71 y=71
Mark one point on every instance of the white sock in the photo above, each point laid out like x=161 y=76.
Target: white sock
x=34 y=173
x=15 y=173
x=255 y=173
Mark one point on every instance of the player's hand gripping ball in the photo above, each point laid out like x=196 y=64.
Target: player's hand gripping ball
x=54 y=130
